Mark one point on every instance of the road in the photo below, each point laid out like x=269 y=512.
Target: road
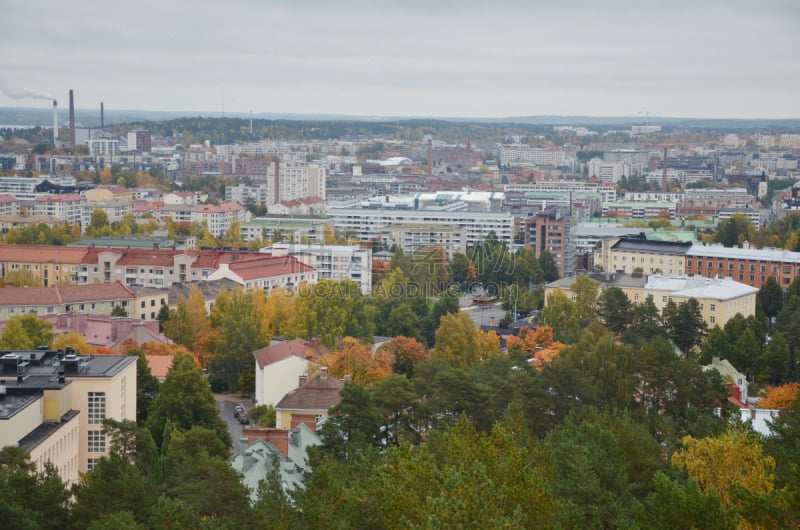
x=483 y=316
x=225 y=405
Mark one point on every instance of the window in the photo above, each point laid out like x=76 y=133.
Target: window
x=712 y=320
x=96 y=410
x=97 y=442
x=663 y=298
x=152 y=303
x=91 y=463
x=763 y=268
x=730 y=266
x=713 y=307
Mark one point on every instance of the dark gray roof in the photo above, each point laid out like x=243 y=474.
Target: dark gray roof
x=652 y=246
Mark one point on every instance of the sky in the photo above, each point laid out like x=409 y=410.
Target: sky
x=416 y=58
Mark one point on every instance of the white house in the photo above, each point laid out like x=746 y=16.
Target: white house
x=280 y=366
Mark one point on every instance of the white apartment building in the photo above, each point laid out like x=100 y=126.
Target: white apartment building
x=367 y=224
x=332 y=262
x=520 y=153
x=295 y=181
x=608 y=171
x=414 y=238
x=9 y=205
x=65 y=208
x=103 y=147
x=606 y=190
x=219 y=217
x=115 y=210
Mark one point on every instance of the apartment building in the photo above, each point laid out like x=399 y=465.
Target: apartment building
x=331 y=262
x=49 y=264
x=414 y=238
x=751 y=266
x=720 y=299
x=367 y=224
x=606 y=171
x=218 y=217
x=606 y=190
x=553 y=231
x=639 y=210
x=525 y=154
x=275 y=228
x=54 y=404
x=267 y=273
x=94 y=299
x=9 y=205
x=114 y=210
x=65 y=208
x=638 y=254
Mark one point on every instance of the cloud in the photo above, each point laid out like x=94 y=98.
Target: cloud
x=704 y=58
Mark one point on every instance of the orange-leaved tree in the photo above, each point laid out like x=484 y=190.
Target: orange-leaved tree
x=356 y=359
x=779 y=397
x=537 y=345
x=404 y=353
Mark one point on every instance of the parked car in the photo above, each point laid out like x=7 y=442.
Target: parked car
x=244 y=420
x=238 y=411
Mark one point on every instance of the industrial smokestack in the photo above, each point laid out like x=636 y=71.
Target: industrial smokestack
x=55 y=122
x=71 y=120
x=102 y=121
x=430 y=156
x=664 y=173
x=277 y=181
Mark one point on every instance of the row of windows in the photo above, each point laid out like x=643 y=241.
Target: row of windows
x=751 y=268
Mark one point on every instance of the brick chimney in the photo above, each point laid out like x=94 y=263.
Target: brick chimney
x=302 y=380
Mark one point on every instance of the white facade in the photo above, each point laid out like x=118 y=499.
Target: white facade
x=367 y=224
x=608 y=171
x=332 y=262
x=519 y=153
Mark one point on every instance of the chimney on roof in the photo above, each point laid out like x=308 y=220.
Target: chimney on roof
x=323 y=372
x=302 y=380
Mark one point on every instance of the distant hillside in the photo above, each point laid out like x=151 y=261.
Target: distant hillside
x=91 y=118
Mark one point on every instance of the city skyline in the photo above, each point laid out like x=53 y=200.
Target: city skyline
x=696 y=60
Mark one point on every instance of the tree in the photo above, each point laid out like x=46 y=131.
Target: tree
x=147 y=386
x=404 y=353
x=118 y=311
x=770 y=296
x=778 y=397
x=549 y=268
x=735 y=230
x=586 y=293
x=561 y=314
x=356 y=359
x=26 y=332
x=197 y=473
x=685 y=324
x=74 y=339
x=239 y=334
x=185 y=399
x=734 y=458
x=614 y=309
x=115 y=485
x=330 y=310
x=30 y=499
x=457 y=341
x=444 y=305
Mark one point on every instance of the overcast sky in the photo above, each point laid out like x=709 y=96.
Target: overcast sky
x=444 y=58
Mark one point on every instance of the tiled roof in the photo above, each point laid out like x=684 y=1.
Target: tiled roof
x=159 y=364
x=4 y=197
x=41 y=254
x=283 y=350
x=321 y=393
x=66 y=197
x=64 y=294
x=270 y=267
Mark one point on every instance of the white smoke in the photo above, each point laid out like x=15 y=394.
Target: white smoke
x=21 y=93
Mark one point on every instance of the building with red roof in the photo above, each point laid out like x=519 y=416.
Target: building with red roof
x=281 y=365
x=96 y=299
x=267 y=273
x=67 y=207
